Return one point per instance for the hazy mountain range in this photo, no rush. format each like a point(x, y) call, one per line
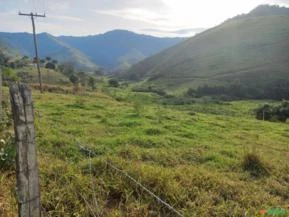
point(117, 49)
point(250, 49)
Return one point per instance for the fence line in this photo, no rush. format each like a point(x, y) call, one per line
point(93, 185)
point(109, 164)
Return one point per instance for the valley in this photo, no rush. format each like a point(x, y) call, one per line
point(131, 125)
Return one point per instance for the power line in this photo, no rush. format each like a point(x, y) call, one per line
point(32, 16)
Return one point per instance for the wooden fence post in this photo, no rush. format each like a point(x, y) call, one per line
point(26, 162)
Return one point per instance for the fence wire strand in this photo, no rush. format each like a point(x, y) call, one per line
point(124, 173)
point(93, 185)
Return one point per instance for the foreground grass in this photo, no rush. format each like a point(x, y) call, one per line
point(191, 156)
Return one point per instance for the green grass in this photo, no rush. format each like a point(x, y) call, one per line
point(191, 156)
point(48, 76)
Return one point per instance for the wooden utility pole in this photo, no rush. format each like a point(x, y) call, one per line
point(1, 97)
point(28, 192)
point(32, 15)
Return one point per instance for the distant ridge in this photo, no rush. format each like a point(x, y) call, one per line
point(114, 50)
point(119, 48)
point(269, 10)
point(48, 46)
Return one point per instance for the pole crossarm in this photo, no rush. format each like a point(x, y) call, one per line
point(32, 14)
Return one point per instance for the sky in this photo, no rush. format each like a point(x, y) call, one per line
point(164, 18)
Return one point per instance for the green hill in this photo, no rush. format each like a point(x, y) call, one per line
point(48, 46)
point(119, 49)
point(249, 50)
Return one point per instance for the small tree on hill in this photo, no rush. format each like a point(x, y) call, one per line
point(67, 68)
point(74, 80)
point(113, 82)
point(50, 65)
point(92, 82)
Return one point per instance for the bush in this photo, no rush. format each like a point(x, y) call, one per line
point(50, 65)
point(7, 154)
point(273, 113)
point(113, 82)
point(9, 75)
point(253, 164)
point(92, 82)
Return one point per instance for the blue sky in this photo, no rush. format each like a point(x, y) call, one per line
point(153, 17)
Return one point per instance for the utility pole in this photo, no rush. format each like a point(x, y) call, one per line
point(32, 15)
point(1, 97)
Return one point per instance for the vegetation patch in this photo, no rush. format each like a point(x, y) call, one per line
point(273, 112)
point(254, 165)
point(153, 132)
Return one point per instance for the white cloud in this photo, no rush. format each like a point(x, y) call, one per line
point(166, 17)
point(67, 18)
point(138, 14)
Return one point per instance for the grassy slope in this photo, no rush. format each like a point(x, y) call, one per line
point(48, 76)
point(252, 50)
point(48, 46)
point(193, 161)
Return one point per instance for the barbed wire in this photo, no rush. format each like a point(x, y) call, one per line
point(109, 164)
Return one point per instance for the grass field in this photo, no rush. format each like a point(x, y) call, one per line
point(191, 156)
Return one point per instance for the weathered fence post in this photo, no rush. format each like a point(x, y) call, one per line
point(26, 163)
point(1, 112)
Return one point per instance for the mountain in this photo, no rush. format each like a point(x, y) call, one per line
point(119, 48)
point(48, 45)
point(250, 50)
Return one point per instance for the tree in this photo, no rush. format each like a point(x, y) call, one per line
point(48, 58)
point(273, 113)
point(113, 82)
point(82, 78)
point(91, 82)
point(73, 79)
point(50, 65)
point(265, 112)
point(67, 68)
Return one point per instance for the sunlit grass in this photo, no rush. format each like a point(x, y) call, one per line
point(191, 156)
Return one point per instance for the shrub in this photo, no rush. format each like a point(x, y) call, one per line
point(9, 75)
point(273, 113)
point(50, 65)
point(253, 164)
point(92, 82)
point(7, 154)
point(113, 82)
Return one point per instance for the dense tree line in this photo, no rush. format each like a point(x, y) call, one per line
point(277, 90)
